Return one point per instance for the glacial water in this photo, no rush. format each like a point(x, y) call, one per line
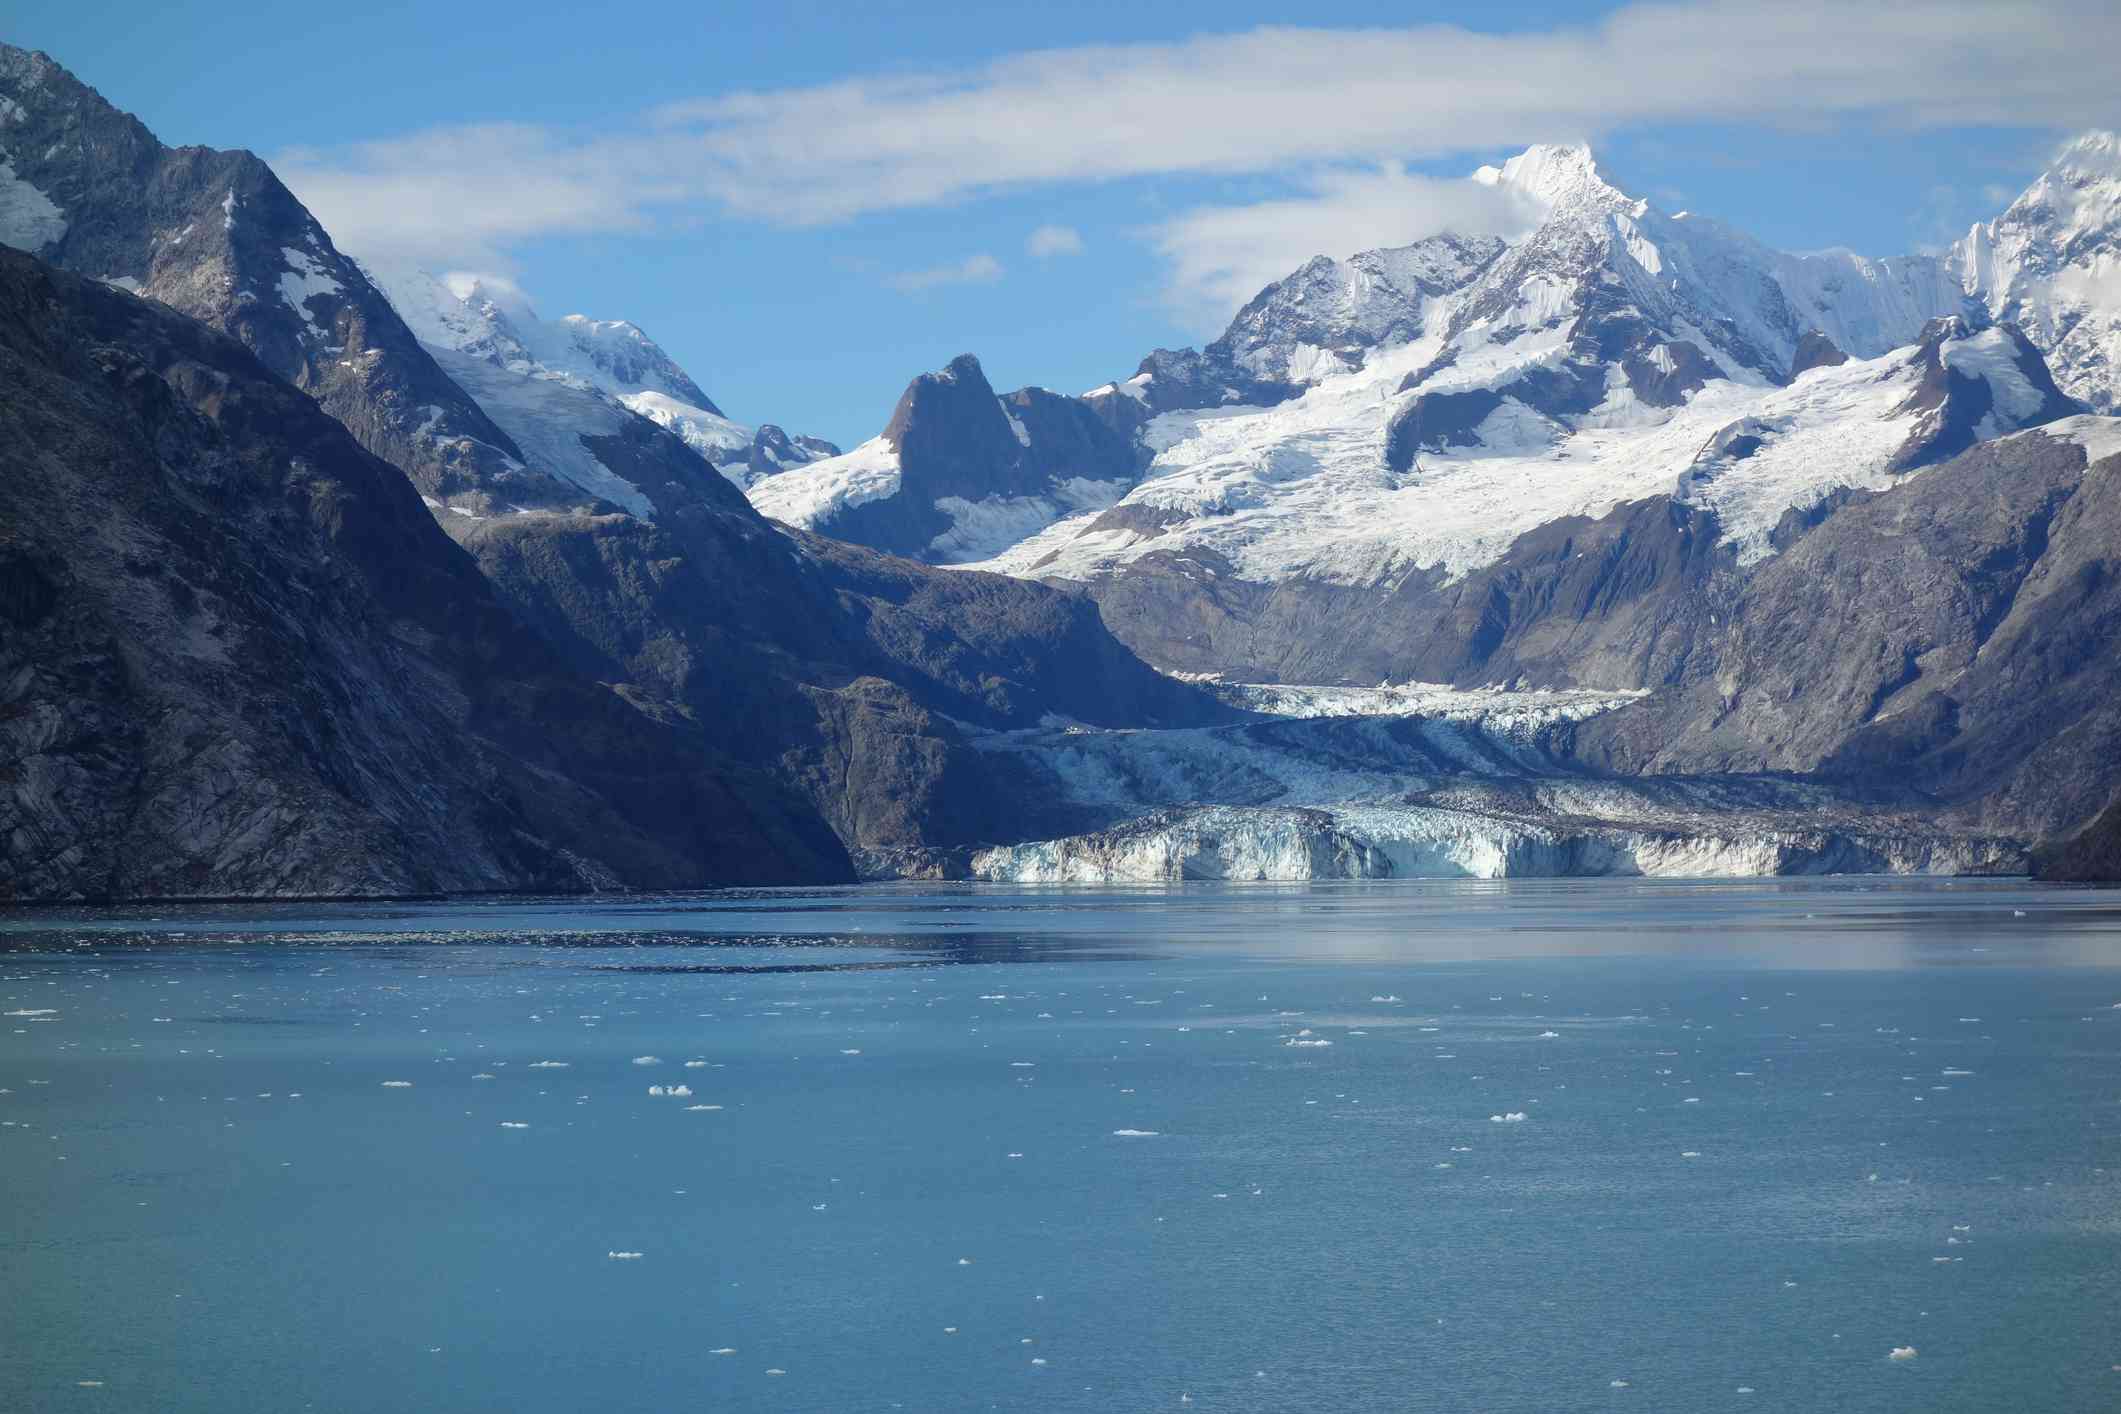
point(1631, 1145)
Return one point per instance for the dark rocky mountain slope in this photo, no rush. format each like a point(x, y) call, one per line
point(239, 657)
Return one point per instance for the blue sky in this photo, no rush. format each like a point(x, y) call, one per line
point(875, 175)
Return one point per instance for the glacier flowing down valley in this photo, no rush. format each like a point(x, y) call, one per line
point(1426, 782)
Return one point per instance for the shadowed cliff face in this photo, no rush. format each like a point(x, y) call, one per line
point(240, 658)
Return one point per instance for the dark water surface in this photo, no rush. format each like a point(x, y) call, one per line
point(1211, 1148)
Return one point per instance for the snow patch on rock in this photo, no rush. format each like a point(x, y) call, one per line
point(29, 220)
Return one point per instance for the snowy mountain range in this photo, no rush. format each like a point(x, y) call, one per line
point(1410, 414)
point(1720, 559)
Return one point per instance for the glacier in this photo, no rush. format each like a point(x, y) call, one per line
point(1425, 781)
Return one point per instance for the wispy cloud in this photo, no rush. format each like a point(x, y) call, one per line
point(977, 269)
point(1220, 256)
point(1273, 100)
point(1049, 241)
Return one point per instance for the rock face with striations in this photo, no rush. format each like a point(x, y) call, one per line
point(1954, 634)
point(239, 658)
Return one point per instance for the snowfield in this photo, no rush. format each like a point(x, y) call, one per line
point(809, 494)
point(1302, 490)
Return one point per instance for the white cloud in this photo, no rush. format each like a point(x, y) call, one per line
point(465, 195)
point(977, 269)
point(1270, 100)
point(1221, 256)
point(1049, 241)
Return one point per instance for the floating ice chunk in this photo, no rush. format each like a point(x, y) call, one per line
point(724, 1350)
point(1745, 1389)
point(1617, 1384)
point(1510, 1117)
point(776, 1371)
point(1949, 1071)
point(1689, 1153)
point(35, 1011)
point(964, 1261)
point(482, 1075)
point(1901, 1352)
point(397, 1085)
point(647, 1060)
point(1384, 999)
point(854, 1052)
point(1299, 1041)
point(511, 1124)
point(1135, 1133)
point(691, 1109)
point(624, 1256)
point(1549, 1036)
point(550, 1065)
point(695, 1065)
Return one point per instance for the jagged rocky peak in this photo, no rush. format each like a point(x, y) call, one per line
point(960, 473)
point(774, 450)
point(952, 415)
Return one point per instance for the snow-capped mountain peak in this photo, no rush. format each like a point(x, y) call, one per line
point(489, 321)
point(2052, 263)
point(1560, 177)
